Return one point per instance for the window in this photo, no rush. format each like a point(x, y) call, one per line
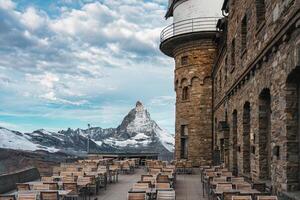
point(184, 60)
point(184, 130)
point(244, 33)
point(184, 142)
point(233, 52)
point(260, 12)
point(185, 93)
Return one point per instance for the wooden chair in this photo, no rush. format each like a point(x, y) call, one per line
point(166, 195)
point(146, 175)
point(225, 187)
point(243, 186)
point(267, 198)
point(162, 186)
point(140, 186)
point(41, 187)
point(162, 178)
point(7, 197)
point(226, 173)
point(189, 167)
point(221, 179)
point(27, 196)
point(49, 196)
point(237, 180)
point(23, 187)
point(68, 179)
point(47, 178)
point(52, 185)
point(229, 195)
point(74, 190)
point(136, 196)
point(248, 197)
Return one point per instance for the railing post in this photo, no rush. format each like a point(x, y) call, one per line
point(173, 26)
point(193, 25)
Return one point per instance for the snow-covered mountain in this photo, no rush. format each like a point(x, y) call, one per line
point(137, 133)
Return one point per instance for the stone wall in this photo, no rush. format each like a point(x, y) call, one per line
point(271, 57)
point(194, 62)
point(8, 181)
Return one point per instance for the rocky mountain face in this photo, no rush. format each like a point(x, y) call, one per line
point(137, 133)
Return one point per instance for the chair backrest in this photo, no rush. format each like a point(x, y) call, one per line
point(162, 178)
point(70, 186)
point(49, 196)
point(136, 196)
point(41, 187)
point(27, 196)
point(65, 174)
point(23, 186)
point(267, 198)
point(243, 186)
point(68, 179)
point(52, 186)
point(166, 195)
point(142, 186)
point(224, 187)
point(221, 179)
point(248, 197)
point(237, 179)
point(146, 175)
point(7, 197)
point(162, 185)
point(228, 195)
point(47, 178)
point(149, 179)
point(226, 173)
point(189, 164)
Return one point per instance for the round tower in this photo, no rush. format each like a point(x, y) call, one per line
point(190, 41)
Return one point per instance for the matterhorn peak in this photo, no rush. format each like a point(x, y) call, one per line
point(139, 107)
point(139, 104)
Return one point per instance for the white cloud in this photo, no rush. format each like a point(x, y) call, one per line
point(7, 4)
point(31, 19)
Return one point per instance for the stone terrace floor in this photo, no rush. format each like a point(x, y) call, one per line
point(188, 187)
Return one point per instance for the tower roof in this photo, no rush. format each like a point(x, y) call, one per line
point(170, 8)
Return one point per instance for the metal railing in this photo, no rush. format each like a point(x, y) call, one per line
point(189, 26)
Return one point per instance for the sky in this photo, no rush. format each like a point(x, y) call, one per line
point(67, 63)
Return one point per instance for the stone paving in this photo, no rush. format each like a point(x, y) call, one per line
point(188, 187)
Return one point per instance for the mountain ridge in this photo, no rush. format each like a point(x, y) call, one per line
point(136, 133)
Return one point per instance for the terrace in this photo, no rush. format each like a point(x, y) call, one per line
point(107, 179)
point(113, 179)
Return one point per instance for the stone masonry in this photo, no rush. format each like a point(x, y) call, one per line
point(256, 92)
point(238, 92)
point(195, 111)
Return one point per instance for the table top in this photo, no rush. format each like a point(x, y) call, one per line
point(251, 191)
point(60, 183)
point(60, 192)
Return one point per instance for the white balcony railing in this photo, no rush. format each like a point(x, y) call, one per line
point(200, 24)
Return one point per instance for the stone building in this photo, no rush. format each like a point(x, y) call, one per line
point(243, 107)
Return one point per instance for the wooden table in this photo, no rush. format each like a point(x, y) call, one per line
point(60, 192)
point(220, 192)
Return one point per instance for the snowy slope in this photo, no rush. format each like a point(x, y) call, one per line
point(19, 141)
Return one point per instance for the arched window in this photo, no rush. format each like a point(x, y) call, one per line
point(185, 93)
point(260, 12)
point(234, 143)
point(246, 139)
point(264, 136)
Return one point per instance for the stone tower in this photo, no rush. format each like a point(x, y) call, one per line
point(190, 41)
